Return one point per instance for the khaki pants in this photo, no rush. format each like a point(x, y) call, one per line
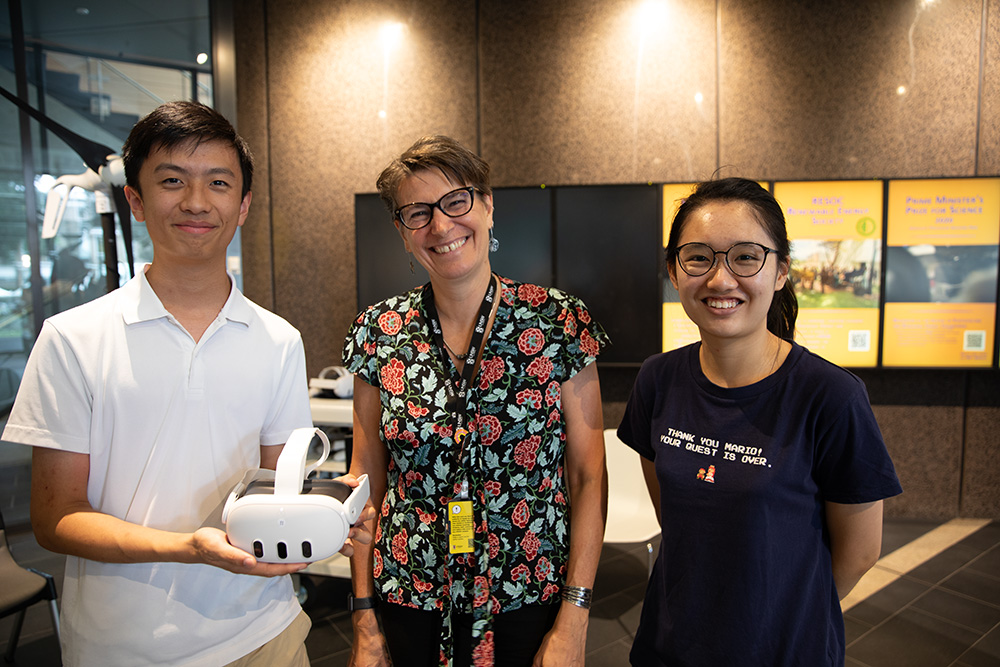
point(287, 649)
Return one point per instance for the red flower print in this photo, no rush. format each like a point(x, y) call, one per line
point(546, 484)
point(443, 430)
point(399, 547)
point(533, 294)
point(425, 517)
point(490, 370)
point(413, 476)
point(392, 376)
point(550, 590)
point(377, 559)
point(494, 543)
point(520, 572)
point(530, 544)
point(410, 314)
point(493, 487)
point(392, 430)
point(560, 499)
point(570, 326)
point(415, 410)
point(482, 655)
point(489, 429)
point(553, 417)
point(369, 348)
point(532, 397)
point(521, 514)
point(543, 569)
point(582, 315)
point(507, 293)
point(482, 591)
point(588, 344)
point(390, 322)
point(421, 586)
point(541, 368)
point(531, 341)
point(525, 452)
point(422, 347)
point(553, 393)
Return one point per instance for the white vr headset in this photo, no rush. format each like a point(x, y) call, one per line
point(281, 517)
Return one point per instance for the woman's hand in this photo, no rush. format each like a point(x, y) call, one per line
point(565, 644)
point(368, 648)
point(360, 533)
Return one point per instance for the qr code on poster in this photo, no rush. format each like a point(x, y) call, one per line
point(974, 341)
point(859, 340)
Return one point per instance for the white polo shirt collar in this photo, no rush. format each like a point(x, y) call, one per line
point(141, 304)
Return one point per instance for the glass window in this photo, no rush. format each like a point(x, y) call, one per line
point(95, 68)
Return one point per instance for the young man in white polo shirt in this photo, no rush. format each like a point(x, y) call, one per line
point(146, 406)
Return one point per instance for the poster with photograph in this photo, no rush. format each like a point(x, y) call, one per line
point(835, 228)
point(941, 272)
point(678, 329)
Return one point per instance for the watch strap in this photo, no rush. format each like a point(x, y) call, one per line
point(356, 604)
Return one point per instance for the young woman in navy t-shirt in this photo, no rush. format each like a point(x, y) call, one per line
point(763, 460)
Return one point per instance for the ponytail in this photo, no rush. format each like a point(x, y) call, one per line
point(783, 312)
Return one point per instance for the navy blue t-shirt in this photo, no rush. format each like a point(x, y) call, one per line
point(744, 575)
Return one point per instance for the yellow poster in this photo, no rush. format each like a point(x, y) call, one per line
point(941, 272)
point(678, 330)
point(948, 211)
point(835, 228)
point(939, 335)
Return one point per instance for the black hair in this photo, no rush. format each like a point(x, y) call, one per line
point(174, 123)
point(784, 306)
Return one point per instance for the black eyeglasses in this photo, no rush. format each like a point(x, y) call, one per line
point(743, 259)
point(454, 204)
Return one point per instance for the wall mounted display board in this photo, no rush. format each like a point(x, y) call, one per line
point(608, 253)
point(941, 272)
point(835, 228)
point(522, 222)
point(678, 329)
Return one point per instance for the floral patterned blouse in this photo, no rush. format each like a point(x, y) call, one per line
point(512, 457)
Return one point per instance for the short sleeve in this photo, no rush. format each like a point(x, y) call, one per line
point(636, 425)
point(852, 463)
point(53, 405)
point(359, 347)
point(585, 337)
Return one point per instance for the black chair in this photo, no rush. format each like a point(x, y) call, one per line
point(20, 588)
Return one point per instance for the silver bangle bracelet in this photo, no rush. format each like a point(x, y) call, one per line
point(577, 595)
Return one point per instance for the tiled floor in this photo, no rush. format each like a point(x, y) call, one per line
point(944, 612)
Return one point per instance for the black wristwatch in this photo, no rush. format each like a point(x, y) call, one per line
point(354, 604)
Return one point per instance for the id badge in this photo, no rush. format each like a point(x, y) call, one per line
point(462, 531)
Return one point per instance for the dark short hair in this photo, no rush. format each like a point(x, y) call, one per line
point(175, 123)
point(454, 160)
point(765, 208)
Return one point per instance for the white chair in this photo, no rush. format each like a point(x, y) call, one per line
point(631, 517)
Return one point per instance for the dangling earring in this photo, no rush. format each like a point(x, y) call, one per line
point(411, 264)
point(494, 244)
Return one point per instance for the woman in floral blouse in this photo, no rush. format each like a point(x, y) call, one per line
point(477, 416)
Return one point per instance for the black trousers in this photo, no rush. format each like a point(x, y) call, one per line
point(413, 635)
